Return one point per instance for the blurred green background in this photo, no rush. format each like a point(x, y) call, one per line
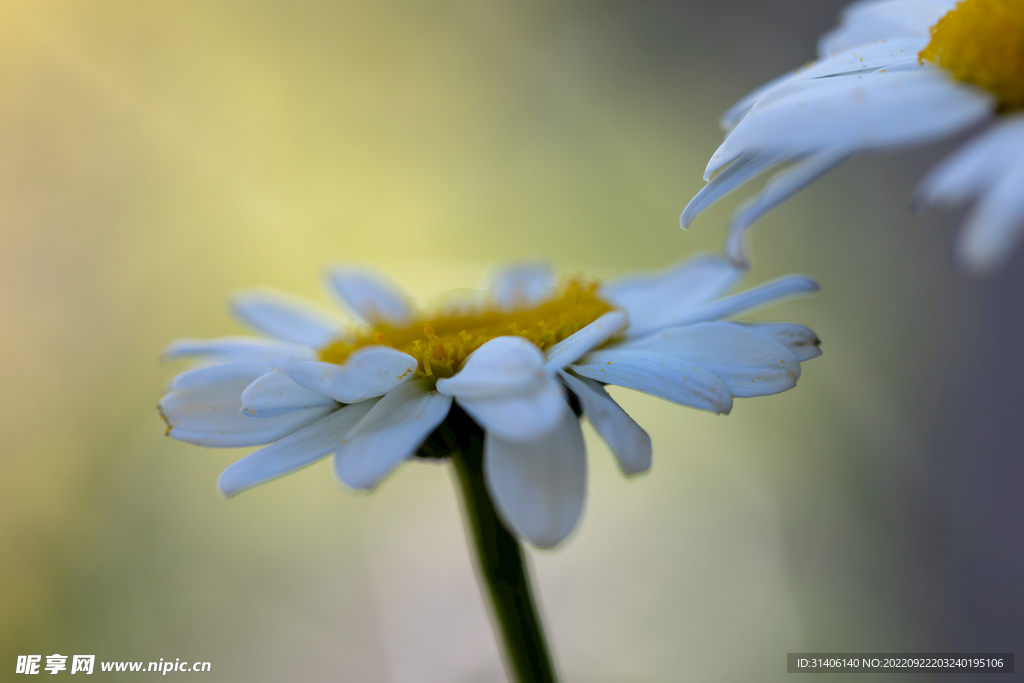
point(156, 156)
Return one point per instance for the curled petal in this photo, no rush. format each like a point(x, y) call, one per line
point(275, 393)
point(501, 367)
point(801, 341)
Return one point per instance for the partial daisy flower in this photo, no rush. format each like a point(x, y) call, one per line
point(515, 365)
point(895, 73)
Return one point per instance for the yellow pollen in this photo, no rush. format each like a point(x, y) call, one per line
point(441, 343)
point(982, 42)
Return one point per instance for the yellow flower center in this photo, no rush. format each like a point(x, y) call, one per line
point(982, 42)
point(441, 343)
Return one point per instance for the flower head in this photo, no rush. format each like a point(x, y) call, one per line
point(982, 42)
point(513, 367)
point(895, 73)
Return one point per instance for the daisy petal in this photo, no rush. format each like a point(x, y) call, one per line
point(199, 378)
point(368, 372)
point(857, 113)
point(871, 20)
point(293, 452)
point(285, 317)
point(203, 408)
point(236, 350)
point(275, 393)
point(994, 225)
point(780, 188)
point(770, 292)
point(626, 439)
point(697, 280)
point(503, 386)
point(520, 417)
point(659, 375)
point(749, 364)
point(650, 300)
point(976, 166)
point(747, 166)
point(575, 346)
point(390, 433)
point(733, 148)
point(539, 487)
point(501, 367)
point(865, 57)
point(801, 341)
point(522, 285)
point(370, 296)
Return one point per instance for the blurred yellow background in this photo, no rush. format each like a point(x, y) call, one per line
point(156, 156)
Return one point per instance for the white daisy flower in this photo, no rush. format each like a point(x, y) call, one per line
point(512, 367)
point(895, 73)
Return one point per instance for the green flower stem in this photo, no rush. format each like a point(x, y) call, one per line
point(502, 566)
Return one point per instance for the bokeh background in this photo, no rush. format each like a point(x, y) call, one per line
point(155, 156)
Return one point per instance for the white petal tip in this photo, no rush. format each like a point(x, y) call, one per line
point(551, 539)
point(709, 170)
point(687, 216)
point(354, 482)
point(690, 212)
point(226, 490)
point(797, 284)
point(713, 165)
point(637, 466)
point(809, 284)
point(177, 349)
point(719, 159)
